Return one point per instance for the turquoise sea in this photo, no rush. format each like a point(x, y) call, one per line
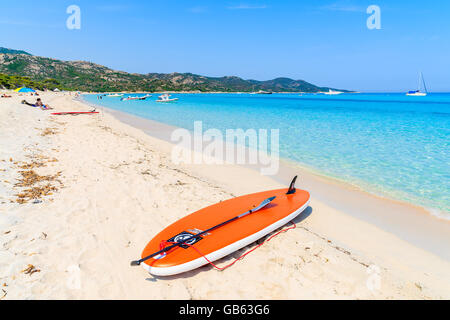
point(389, 144)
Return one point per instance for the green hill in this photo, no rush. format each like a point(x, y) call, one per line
point(87, 76)
point(12, 51)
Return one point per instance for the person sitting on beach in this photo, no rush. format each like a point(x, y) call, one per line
point(38, 104)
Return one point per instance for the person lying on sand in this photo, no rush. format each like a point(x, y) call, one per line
point(5, 96)
point(38, 104)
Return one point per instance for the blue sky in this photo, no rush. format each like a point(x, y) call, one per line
point(323, 42)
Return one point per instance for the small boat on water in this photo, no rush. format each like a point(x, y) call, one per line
point(136, 98)
point(263, 92)
point(116, 95)
point(166, 98)
point(332, 92)
point(419, 93)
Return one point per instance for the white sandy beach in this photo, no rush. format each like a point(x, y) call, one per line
point(111, 187)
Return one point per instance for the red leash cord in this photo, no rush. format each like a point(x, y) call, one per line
point(164, 243)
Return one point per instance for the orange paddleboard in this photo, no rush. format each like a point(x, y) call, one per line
point(226, 239)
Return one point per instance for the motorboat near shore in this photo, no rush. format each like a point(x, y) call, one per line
point(262, 92)
point(333, 92)
point(136, 98)
point(166, 98)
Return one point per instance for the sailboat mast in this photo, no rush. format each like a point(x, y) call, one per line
point(423, 82)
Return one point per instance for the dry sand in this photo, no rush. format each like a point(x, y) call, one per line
point(107, 188)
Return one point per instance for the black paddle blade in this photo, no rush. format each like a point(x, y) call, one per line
point(135, 263)
point(264, 203)
point(292, 186)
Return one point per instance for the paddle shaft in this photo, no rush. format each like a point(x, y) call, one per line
point(138, 262)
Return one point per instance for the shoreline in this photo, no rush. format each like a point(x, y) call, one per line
point(212, 92)
point(118, 190)
point(434, 213)
point(337, 193)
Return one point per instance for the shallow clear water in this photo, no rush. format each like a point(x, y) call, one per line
point(389, 144)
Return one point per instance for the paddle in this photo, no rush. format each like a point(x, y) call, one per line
point(262, 205)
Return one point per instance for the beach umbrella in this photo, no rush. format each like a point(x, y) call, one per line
point(24, 89)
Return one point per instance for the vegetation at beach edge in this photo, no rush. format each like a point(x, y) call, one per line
point(14, 82)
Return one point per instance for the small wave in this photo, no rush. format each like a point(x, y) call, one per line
point(439, 213)
point(441, 113)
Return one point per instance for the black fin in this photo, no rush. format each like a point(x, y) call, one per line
point(292, 186)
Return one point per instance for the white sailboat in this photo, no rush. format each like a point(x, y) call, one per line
point(419, 93)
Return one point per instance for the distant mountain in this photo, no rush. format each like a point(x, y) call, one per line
point(87, 76)
point(286, 84)
point(12, 51)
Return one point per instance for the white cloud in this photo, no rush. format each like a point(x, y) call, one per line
point(113, 8)
point(247, 7)
point(15, 22)
point(198, 9)
point(343, 6)
point(22, 23)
